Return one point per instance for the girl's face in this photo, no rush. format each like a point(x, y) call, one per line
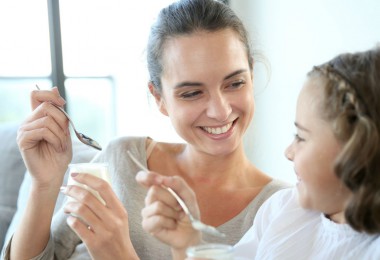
point(207, 90)
point(313, 153)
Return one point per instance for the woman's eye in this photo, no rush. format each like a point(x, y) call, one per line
point(190, 94)
point(237, 84)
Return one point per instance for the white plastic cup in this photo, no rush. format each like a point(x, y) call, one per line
point(99, 170)
point(210, 251)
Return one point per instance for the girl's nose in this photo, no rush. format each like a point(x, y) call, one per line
point(219, 108)
point(289, 154)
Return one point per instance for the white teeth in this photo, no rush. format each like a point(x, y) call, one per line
point(217, 130)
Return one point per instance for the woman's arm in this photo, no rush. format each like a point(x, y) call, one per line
point(45, 145)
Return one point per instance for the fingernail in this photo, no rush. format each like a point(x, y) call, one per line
point(61, 100)
point(159, 179)
point(74, 174)
point(178, 208)
point(182, 215)
point(63, 189)
point(142, 173)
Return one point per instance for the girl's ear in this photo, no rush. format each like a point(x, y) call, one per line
point(159, 100)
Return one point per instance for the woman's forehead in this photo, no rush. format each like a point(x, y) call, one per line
point(204, 52)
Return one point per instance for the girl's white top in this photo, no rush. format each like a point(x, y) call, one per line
point(284, 230)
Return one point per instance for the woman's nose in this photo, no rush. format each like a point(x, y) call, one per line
point(219, 108)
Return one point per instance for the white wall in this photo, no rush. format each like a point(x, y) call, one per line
point(294, 35)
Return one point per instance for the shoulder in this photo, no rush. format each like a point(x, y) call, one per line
point(373, 250)
point(281, 201)
point(116, 150)
point(268, 190)
point(283, 197)
point(275, 186)
point(126, 142)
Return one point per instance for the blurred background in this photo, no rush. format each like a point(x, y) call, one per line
point(94, 51)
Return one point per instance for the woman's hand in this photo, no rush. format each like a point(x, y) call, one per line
point(163, 217)
point(44, 139)
point(103, 228)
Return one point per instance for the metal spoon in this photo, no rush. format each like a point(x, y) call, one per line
point(83, 138)
point(196, 223)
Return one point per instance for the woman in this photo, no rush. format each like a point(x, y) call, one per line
point(201, 76)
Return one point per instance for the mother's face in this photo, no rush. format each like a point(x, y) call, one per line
point(207, 89)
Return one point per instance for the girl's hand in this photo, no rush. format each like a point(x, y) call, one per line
point(103, 228)
point(44, 139)
point(163, 217)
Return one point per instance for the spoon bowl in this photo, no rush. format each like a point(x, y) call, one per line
point(83, 138)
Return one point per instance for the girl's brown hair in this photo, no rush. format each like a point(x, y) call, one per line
point(352, 104)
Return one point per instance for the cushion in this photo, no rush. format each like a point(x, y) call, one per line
point(11, 175)
point(81, 153)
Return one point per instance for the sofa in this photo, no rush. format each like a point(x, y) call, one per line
point(15, 181)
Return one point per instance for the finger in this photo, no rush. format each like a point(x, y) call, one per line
point(161, 209)
point(54, 119)
point(148, 179)
point(156, 223)
point(57, 119)
point(47, 109)
point(83, 231)
point(44, 120)
point(184, 191)
point(87, 199)
point(87, 207)
point(103, 188)
point(39, 96)
point(29, 136)
point(81, 211)
point(159, 193)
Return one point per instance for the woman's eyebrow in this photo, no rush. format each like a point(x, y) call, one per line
point(188, 84)
point(234, 73)
point(192, 84)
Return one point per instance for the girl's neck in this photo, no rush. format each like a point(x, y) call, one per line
point(337, 217)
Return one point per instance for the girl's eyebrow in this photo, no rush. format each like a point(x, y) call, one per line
point(300, 127)
point(194, 83)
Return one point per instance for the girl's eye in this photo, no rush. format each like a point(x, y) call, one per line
point(190, 94)
point(298, 139)
point(237, 84)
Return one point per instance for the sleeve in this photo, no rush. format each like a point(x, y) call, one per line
point(247, 247)
point(48, 252)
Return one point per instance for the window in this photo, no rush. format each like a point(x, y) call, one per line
point(103, 67)
point(24, 55)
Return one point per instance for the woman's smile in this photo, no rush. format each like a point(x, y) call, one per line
point(219, 132)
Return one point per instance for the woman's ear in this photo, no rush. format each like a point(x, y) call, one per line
point(253, 65)
point(159, 100)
